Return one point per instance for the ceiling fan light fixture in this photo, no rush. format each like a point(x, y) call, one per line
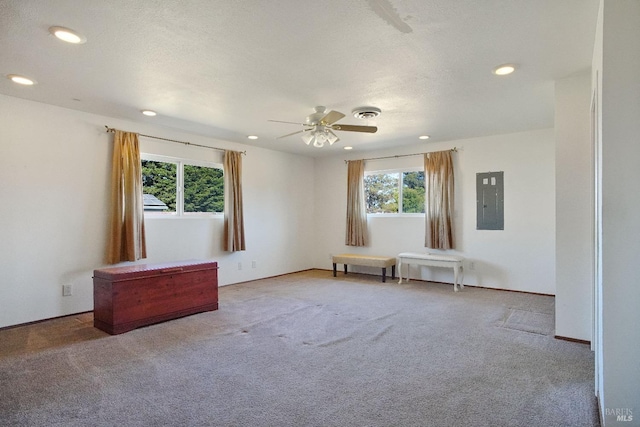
point(331, 137)
point(308, 137)
point(320, 125)
point(319, 139)
point(319, 136)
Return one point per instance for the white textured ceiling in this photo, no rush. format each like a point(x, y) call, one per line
point(223, 68)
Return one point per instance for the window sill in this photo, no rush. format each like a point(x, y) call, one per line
point(188, 216)
point(396, 215)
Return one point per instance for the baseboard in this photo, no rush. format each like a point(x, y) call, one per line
point(510, 290)
point(268, 277)
point(35, 322)
point(560, 337)
point(599, 406)
point(448, 283)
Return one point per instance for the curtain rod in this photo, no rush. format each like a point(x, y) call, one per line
point(454, 149)
point(111, 130)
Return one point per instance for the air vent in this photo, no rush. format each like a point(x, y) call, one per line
point(366, 112)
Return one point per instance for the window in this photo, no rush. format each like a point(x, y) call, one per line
point(394, 192)
point(181, 187)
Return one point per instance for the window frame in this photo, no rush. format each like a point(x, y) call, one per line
point(399, 171)
point(180, 163)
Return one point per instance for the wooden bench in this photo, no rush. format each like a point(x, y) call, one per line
point(432, 260)
point(366, 261)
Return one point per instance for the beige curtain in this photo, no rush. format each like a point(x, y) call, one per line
point(438, 178)
point(233, 210)
point(127, 238)
point(356, 234)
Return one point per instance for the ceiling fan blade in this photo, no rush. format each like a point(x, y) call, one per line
point(293, 133)
point(291, 123)
point(331, 117)
point(355, 128)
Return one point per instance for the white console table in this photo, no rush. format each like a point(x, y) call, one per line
point(432, 260)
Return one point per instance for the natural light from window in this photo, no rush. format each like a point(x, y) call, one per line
point(394, 192)
point(180, 187)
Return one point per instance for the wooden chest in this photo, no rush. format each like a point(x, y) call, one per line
point(125, 298)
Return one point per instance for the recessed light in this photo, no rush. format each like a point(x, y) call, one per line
point(424, 137)
point(252, 137)
point(348, 148)
point(149, 113)
point(503, 70)
point(21, 80)
point(67, 35)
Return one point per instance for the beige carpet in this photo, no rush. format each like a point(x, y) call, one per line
point(307, 349)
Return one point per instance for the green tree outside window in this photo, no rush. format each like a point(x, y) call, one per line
point(384, 191)
point(203, 186)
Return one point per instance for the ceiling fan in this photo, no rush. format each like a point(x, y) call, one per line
point(320, 125)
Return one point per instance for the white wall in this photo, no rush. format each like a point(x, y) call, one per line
point(617, 72)
point(521, 257)
point(54, 170)
point(574, 207)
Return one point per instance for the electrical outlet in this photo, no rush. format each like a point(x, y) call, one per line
point(472, 265)
point(331, 256)
point(67, 290)
point(253, 264)
point(239, 266)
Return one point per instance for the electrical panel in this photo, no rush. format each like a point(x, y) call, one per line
point(490, 200)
